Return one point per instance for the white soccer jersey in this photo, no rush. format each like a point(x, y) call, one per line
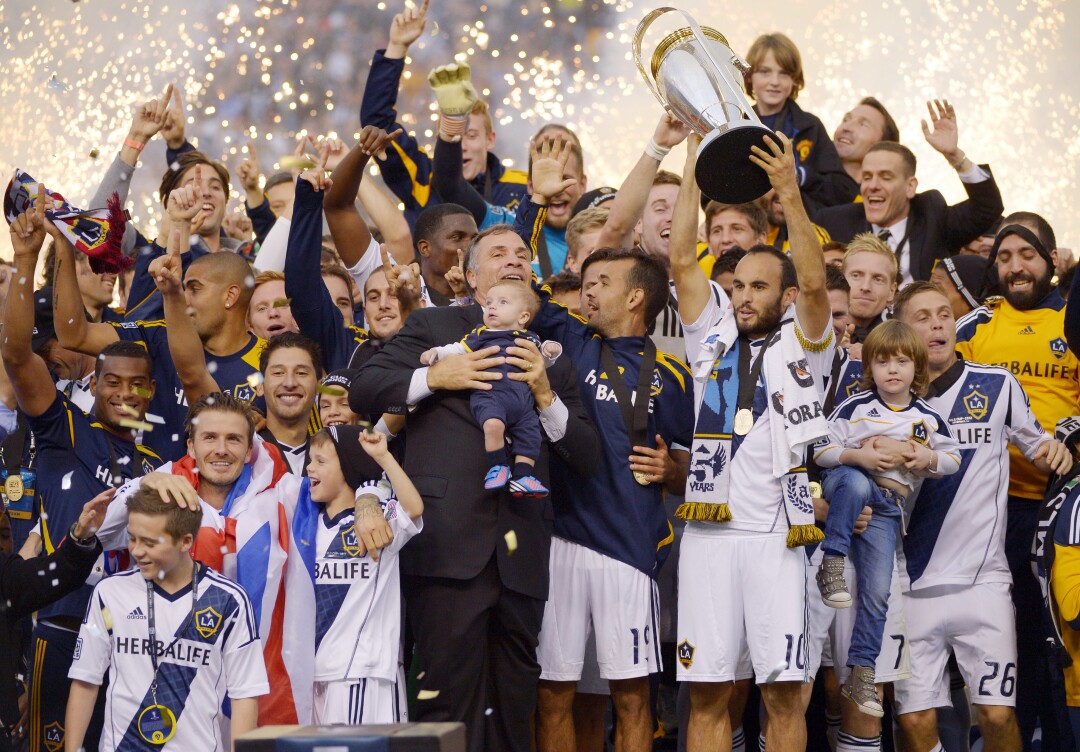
point(358, 600)
point(204, 650)
point(956, 531)
point(756, 497)
point(866, 415)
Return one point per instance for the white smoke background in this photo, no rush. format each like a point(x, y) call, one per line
point(71, 72)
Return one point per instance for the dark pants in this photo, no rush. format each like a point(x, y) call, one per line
point(1040, 691)
point(477, 645)
point(50, 659)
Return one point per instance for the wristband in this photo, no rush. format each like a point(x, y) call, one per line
point(134, 144)
point(83, 542)
point(657, 152)
point(452, 127)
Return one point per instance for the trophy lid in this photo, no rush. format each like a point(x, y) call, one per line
point(678, 36)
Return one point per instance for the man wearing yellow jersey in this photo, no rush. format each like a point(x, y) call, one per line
point(1025, 332)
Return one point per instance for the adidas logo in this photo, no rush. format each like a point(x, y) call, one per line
point(137, 613)
point(873, 413)
point(1027, 330)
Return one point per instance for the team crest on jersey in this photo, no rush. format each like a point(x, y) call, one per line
point(243, 392)
point(657, 385)
point(349, 542)
point(147, 468)
point(800, 371)
point(77, 652)
point(919, 432)
point(207, 622)
point(853, 388)
point(977, 404)
point(1059, 348)
point(803, 148)
point(686, 653)
point(54, 737)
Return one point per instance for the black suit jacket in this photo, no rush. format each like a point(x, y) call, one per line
point(25, 587)
point(935, 229)
point(445, 458)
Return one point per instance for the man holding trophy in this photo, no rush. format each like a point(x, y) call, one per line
point(758, 361)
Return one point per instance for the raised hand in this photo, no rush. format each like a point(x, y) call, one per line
point(175, 121)
point(374, 141)
point(150, 117)
point(186, 201)
point(374, 444)
point(455, 277)
point(548, 163)
point(670, 131)
point(945, 135)
point(453, 88)
point(93, 513)
point(778, 163)
point(237, 226)
point(318, 177)
point(405, 29)
point(248, 172)
point(28, 230)
point(335, 151)
point(167, 271)
point(402, 279)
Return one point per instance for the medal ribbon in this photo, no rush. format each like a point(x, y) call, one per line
point(635, 415)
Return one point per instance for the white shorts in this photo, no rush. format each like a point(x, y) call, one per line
point(894, 660)
point(359, 701)
point(590, 591)
point(742, 607)
point(976, 624)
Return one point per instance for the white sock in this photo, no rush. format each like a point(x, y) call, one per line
point(738, 740)
point(832, 728)
point(846, 742)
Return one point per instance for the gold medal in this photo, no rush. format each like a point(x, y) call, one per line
point(156, 724)
point(13, 487)
point(744, 421)
point(642, 477)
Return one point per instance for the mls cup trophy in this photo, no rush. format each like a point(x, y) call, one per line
point(698, 79)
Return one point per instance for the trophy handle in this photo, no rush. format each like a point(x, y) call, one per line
point(639, 34)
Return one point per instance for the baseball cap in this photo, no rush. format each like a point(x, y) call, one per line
point(1067, 428)
point(594, 198)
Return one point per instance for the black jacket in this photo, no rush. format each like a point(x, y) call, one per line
point(445, 458)
point(25, 587)
point(935, 229)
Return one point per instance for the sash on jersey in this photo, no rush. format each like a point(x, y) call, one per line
point(798, 423)
point(99, 233)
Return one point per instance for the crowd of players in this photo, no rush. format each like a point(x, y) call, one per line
point(262, 490)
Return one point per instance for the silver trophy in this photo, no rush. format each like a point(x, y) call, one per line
point(697, 78)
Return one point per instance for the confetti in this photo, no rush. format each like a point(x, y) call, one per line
point(211, 367)
point(511, 541)
point(106, 616)
point(65, 482)
point(296, 163)
point(138, 390)
point(129, 410)
point(254, 379)
point(427, 694)
point(778, 669)
point(283, 303)
point(94, 154)
point(333, 391)
point(136, 425)
point(56, 83)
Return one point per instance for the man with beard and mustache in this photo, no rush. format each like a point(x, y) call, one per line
point(1025, 333)
point(740, 553)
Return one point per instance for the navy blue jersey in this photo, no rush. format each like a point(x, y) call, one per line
point(76, 457)
point(481, 337)
point(168, 409)
point(609, 512)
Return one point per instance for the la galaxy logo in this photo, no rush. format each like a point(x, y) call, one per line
point(686, 653)
point(977, 404)
point(54, 737)
point(919, 432)
point(657, 385)
point(1058, 348)
point(349, 542)
point(243, 392)
point(207, 622)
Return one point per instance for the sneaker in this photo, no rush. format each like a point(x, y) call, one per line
point(496, 477)
point(830, 581)
point(527, 486)
point(860, 689)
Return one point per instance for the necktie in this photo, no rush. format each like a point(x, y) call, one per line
point(885, 235)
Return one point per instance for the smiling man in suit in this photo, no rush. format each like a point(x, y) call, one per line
point(918, 227)
point(475, 582)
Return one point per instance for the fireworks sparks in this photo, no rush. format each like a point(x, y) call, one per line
point(271, 69)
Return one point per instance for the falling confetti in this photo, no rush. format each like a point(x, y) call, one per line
point(138, 390)
point(427, 694)
point(106, 616)
point(511, 541)
point(65, 482)
point(254, 379)
point(136, 425)
point(332, 391)
point(55, 83)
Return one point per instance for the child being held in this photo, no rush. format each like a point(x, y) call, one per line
point(174, 636)
point(358, 596)
point(858, 474)
point(508, 407)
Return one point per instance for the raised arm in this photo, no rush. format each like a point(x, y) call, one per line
point(812, 303)
point(73, 331)
point(350, 232)
point(30, 379)
point(388, 218)
point(456, 96)
point(691, 284)
point(629, 202)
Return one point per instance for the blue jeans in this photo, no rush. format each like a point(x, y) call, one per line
point(848, 490)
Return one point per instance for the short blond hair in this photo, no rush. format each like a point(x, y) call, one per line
point(868, 242)
point(481, 108)
point(269, 276)
point(587, 220)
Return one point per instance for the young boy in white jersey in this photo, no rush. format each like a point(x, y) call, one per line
point(858, 475)
point(358, 599)
point(175, 637)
